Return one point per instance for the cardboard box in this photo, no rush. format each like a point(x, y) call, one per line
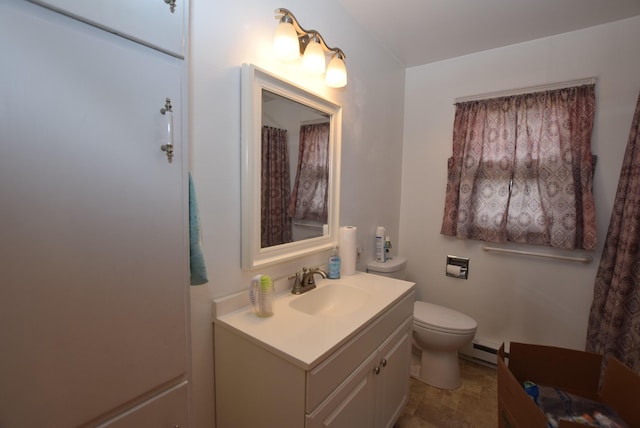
point(575, 372)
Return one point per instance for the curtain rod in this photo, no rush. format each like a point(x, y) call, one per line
point(586, 260)
point(315, 121)
point(526, 90)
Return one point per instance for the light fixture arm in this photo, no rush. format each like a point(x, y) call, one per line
point(305, 35)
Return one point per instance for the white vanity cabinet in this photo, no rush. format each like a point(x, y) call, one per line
point(363, 382)
point(93, 226)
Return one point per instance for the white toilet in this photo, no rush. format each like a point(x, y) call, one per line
point(438, 332)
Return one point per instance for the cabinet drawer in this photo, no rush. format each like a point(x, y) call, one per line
point(324, 378)
point(150, 22)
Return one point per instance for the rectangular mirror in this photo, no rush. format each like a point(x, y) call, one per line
point(290, 170)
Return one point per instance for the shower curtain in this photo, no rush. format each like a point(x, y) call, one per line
point(275, 222)
point(614, 320)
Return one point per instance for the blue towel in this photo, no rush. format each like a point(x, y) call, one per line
point(197, 266)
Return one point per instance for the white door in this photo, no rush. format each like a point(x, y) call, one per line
point(156, 23)
point(92, 220)
point(168, 409)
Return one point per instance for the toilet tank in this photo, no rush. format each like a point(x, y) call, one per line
point(393, 268)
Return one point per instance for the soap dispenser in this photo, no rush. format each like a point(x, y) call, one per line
point(334, 264)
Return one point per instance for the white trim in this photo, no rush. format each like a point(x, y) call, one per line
point(254, 81)
point(526, 90)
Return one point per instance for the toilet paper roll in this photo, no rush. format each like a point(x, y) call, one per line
point(347, 249)
point(454, 270)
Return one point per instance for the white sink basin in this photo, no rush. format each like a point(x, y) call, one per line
point(335, 299)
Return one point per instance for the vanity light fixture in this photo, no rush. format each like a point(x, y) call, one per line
point(313, 60)
point(291, 40)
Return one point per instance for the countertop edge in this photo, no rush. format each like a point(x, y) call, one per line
point(224, 309)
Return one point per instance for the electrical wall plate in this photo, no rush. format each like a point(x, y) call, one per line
point(457, 267)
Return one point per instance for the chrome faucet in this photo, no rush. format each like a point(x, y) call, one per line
point(307, 282)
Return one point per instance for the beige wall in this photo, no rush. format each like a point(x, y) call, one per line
point(225, 34)
point(513, 297)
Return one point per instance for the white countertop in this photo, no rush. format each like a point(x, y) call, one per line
point(306, 339)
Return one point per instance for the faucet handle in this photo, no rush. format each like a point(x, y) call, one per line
point(295, 276)
point(296, 282)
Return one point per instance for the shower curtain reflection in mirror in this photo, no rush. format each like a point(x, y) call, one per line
point(275, 179)
point(299, 214)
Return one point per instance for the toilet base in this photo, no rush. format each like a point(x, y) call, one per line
point(440, 369)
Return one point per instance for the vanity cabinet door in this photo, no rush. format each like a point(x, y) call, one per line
point(375, 393)
point(351, 404)
point(151, 22)
point(392, 382)
point(93, 240)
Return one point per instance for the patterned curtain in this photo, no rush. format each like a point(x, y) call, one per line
point(522, 170)
point(614, 321)
point(309, 196)
point(275, 222)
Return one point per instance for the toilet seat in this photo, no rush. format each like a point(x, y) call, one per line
point(438, 318)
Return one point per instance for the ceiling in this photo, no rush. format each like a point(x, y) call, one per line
point(424, 31)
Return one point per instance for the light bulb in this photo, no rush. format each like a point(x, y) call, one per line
point(313, 60)
point(285, 43)
point(336, 76)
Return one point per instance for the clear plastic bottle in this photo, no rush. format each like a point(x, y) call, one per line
point(261, 294)
point(334, 264)
point(381, 254)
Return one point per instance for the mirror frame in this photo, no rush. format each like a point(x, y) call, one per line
point(254, 81)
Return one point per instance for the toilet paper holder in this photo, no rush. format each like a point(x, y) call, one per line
point(457, 267)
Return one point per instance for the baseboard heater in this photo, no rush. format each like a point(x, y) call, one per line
point(482, 351)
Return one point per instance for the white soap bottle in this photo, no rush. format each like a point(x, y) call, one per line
point(381, 253)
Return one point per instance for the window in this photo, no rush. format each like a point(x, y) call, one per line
point(522, 170)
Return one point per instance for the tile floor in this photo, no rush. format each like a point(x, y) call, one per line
point(473, 405)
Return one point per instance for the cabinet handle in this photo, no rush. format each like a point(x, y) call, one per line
point(167, 110)
point(383, 362)
point(172, 8)
point(377, 370)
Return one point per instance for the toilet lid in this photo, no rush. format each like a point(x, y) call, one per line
point(440, 318)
